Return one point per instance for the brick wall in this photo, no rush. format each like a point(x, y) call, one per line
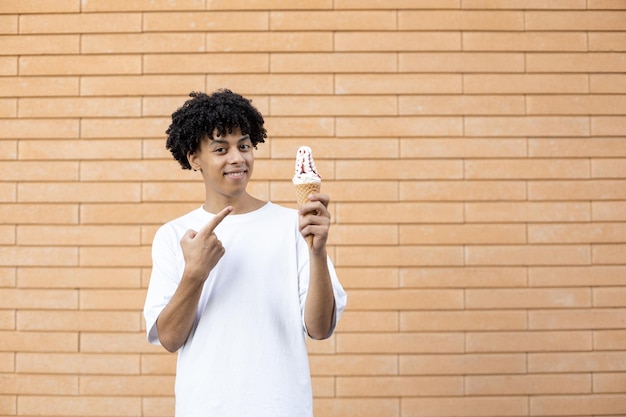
point(475, 152)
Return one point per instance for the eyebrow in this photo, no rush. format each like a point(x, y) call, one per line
point(221, 141)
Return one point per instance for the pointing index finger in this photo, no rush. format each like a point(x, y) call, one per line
point(212, 224)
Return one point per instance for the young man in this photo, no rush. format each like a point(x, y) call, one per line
point(234, 287)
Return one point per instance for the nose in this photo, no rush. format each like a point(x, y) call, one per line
point(234, 156)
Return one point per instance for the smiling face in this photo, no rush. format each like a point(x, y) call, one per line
point(226, 163)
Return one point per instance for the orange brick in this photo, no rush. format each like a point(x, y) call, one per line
point(78, 192)
point(79, 65)
point(138, 170)
point(406, 299)
point(179, 191)
point(577, 190)
point(575, 319)
point(46, 384)
point(7, 362)
point(80, 405)
point(607, 41)
point(39, 44)
point(112, 299)
point(608, 382)
point(351, 407)
point(158, 364)
point(527, 126)
point(528, 298)
point(214, 63)
point(323, 386)
point(531, 384)
point(8, 404)
point(501, 406)
point(368, 321)
point(36, 6)
point(608, 297)
point(350, 364)
point(72, 149)
point(8, 108)
point(203, 21)
point(463, 277)
point(125, 256)
point(39, 213)
point(41, 320)
point(269, 41)
point(460, 20)
point(527, 169)
point(576, 362)
point(526, 84)
point(33, 298)
point(577, 276)
point(579, 104)
point(525, 41)
point(269, 5)
point(7, 235)
point(576, 20)
point(302, 126)
point(322, 62)
point(388, 343)
point(8, 65)
point(142, 43)
point(77, 235)
point(399, 126)
point(575, 63)
point(81, 23)
point(333, 20)
point(609, 254)
point(38, 171)
point(80, 107)
point(584, 147)
point(527, 212)
point(608, 125)
point(78, 278)
point(524, 4)
point(560, 341)
point(8, 193)
point(343, 191)
point(91, 342)
point(396, 4)
point(577, 233)
point(462, 62)
point(466, 190)
point(78, 363)
point(587, 404)
point(607, 83)
point(8, 24)
point(126, 386)
point(363, 235)
point(147, 213)
point(608, 210)
point(38, 256)
point(349, 213)
point(7, 277)
point(333, 106)
point(255, 84)
point(38, 341)
point(400, 256)
point(407, 169)
point(466, 104)
point(496, 320)
point(528, 255)
point(461, 234)
point(397, 41)
point(141, 85)
point(38, 128)
point(368, 277)
point(139, 5)
point(399, 84)
point(462, 148)
point(399, 386)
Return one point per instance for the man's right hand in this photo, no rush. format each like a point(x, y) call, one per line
point(202, 250)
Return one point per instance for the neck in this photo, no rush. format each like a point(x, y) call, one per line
point(244, 203)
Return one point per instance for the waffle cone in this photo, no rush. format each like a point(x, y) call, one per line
point(302, 196)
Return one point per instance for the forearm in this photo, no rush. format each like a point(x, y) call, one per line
point(176, 320)
point(319, 312)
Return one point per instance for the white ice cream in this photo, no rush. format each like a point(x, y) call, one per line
point(305, 172)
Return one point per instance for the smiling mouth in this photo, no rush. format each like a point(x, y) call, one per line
point(236, 175)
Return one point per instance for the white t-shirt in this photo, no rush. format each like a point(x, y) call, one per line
point(246, 354)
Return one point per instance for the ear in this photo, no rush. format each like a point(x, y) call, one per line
point(193, 161)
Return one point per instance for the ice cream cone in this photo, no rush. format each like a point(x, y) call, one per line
point(303, 191)
point(306, 179)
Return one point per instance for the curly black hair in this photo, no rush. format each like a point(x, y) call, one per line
point(202, 115)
